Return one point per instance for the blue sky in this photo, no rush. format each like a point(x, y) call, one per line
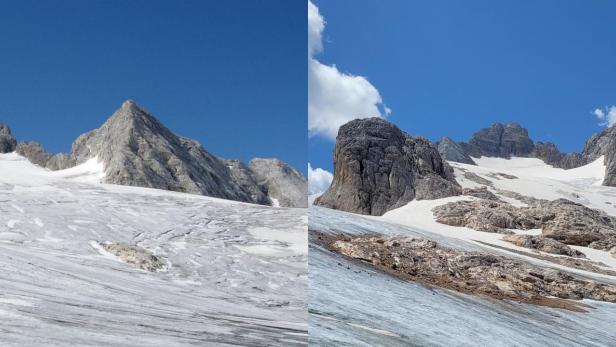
point(452, 67)
point(231, 74)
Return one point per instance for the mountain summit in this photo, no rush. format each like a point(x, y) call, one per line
point(138, 150)
point(512, 140)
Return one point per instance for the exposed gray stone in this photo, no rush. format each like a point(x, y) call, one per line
point(543, 244)
point(134, 256)
point(549, 153)
point(280, 181)
point(610, 159)
point(378, 167)
point(500, 140)
point(7, 141)
point(244, 177)
point(452, 151)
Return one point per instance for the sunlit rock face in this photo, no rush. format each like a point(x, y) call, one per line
point(378, 167)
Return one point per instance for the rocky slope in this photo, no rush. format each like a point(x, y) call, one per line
point(282, 183)
point(453, 151)
point(137, 150)
point(507, 140)
point(562, 220)
point(378, 167)
point(482, 273)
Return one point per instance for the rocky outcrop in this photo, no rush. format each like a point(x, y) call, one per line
point(483, 215)
point(475, 273)
point(378, 167)
point(453, 151)
point(134, 256)
point(562, 220)
point(543, 244)
point(550, 154)
point(36, 154)
point(281, 182)
point(7, 141)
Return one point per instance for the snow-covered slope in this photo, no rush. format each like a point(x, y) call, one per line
point(353, 304)
point(235, 273)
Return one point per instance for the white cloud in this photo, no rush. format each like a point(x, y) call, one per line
point(335, 97)
point(607, 115)
point(318, 180)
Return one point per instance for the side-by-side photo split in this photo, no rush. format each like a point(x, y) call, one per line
point(435, 173)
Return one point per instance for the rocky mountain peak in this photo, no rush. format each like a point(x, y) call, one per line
point(500, 140)
point(136, 149)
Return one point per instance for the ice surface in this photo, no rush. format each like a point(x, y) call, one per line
point(57, 289)
point(352, 304)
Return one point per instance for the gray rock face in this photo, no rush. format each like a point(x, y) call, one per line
point(280, 181)
point(549, 153)
point(598, 144)
point(500, 141)
point(7, 141)
point(453, 151)
point(36, 154)
point(378, 167)
point(606, 145)
point(245, 178)
point(137, 150)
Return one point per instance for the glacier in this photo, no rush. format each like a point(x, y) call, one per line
point(235, 274)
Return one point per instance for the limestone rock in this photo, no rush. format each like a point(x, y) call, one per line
point(562, 220)
point(378, 167)
point(135, 256)
point(281, 182)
